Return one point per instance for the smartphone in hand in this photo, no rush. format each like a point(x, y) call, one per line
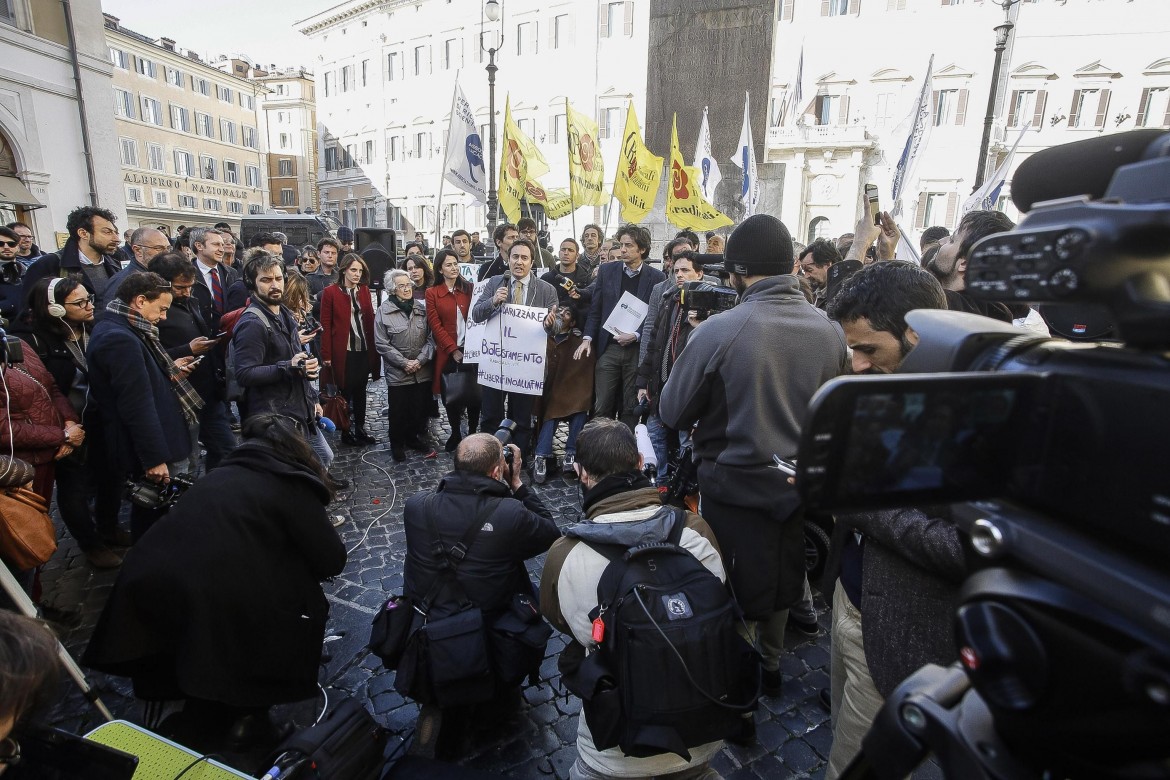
point(871, 203)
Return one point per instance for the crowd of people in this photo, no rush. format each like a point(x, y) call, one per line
point(152, 358)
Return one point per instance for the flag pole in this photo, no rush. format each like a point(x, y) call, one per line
point(442, 172)
point(569, 154)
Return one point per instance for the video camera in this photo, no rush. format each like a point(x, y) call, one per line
point(1048, 449)
point(156, 495)
point(705, 299)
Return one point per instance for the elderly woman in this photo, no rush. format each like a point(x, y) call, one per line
point(404, 341)
point(448, 302)
point(221, 605)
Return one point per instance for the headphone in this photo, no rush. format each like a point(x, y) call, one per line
point(55, 309)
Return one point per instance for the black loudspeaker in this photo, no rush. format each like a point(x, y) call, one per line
point(379, 248)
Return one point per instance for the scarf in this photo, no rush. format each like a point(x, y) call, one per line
point(189, 400)
point(403, 306)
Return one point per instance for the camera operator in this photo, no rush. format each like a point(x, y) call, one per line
point(661, 347)
point(276, 374)
point(483, 489)
point(147, 405)
point(898, 569)
point(748, 393)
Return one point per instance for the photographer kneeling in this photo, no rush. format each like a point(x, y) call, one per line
point(466, 544)
point(221, 603)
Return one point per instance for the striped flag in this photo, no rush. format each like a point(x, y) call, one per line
point(917, 126)
point(745, 158)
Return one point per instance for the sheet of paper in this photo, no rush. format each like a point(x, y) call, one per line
point(627, 316)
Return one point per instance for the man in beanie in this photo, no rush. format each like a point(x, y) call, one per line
point(745, 380)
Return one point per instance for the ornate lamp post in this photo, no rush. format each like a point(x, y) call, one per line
point(493, 11)
point(1001, 37)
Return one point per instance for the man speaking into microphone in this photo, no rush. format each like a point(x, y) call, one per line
point(520, 287)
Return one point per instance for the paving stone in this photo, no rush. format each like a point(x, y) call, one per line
point(771, 735)
point(798, 756)
point(820, 739)
point(768, 767)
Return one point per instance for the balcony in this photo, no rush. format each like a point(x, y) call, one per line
point(818, 136)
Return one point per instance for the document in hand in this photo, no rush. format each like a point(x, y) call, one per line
point(627, 316)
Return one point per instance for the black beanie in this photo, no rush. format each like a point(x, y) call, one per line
point(759, 246)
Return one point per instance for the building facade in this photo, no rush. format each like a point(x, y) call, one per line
point(54, 134)
point(290, 110)
point(191, 138)
point(385, 74)
point(1071, 69)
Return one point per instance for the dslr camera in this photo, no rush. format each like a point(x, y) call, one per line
point(1047, 452)
point(156, 495)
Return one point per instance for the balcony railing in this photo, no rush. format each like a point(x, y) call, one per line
point(816, 135)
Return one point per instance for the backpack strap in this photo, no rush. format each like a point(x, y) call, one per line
point(449, 559)
point(620, 557)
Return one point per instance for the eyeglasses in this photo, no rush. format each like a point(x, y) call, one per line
point(162, 248)
point(84, 303)
point(9, 752)
point(9, 243)
point(404, 287)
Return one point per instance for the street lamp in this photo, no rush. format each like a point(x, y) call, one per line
point(1001, 37)
point(493, 11)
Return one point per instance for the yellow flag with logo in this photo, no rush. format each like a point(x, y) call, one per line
point(586, 170)
point(639, 173)
point(685, 205)
point(556, 203)
point(519, 160)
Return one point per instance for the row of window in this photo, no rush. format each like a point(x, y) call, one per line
point(616, 19)
point(184, 164)
point(150, 110)
point(161, 199)
point(1088, 109)
point(853, 7)
point(176, 78)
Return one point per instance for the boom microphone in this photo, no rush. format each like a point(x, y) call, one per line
point(1083, 167)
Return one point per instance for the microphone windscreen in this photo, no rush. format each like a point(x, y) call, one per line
point(1080, 168)
point(645, 446)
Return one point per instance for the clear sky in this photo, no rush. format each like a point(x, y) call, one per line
point(261, 29)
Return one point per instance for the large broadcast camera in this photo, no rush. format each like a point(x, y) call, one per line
point(1049, 451)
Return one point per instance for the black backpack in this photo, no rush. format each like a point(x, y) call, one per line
point(668, 670)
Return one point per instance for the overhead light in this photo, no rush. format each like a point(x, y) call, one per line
point(492, 10)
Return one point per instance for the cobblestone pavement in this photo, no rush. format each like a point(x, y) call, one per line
point(793, 730)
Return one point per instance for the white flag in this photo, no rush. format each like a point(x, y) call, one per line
point(792, 102)
point(916, 127)
point(705, 162)
point(464, 165)
point(986, 196)
point(745, 158)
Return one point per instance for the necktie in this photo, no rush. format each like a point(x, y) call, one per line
point(216, 291)
point(518, 293)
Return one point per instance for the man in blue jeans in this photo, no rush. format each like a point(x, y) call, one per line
point(568, 391)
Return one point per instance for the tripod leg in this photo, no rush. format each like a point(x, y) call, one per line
point(26, 606)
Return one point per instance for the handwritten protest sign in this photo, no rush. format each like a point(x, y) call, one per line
point(511, 350)
point(468, 272)
point(475, 330)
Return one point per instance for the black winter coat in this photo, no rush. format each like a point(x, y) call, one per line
point(263, 358)
point(67, 262)
point(222, 599)
point(144, 424)
point(183, 324)
point(519, 527)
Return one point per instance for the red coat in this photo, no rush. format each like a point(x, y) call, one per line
point(441, 304)
point(335, 339)
point(39, 411)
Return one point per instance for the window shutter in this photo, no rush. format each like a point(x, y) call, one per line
point(552, 34)
point(1143, 108)
point(1076, 104)
point(1038, 114)
point(854, 6)
point(843, 114)
point(1013, 107)
point(603, 21)
point(603, 125)
point(961, 111)
point(946, 2)
point(786, 10)
point(920, 217)
point(934, 107)
point(1166, 117)
point(1103, 107)
point(952, 207)
point(628, 21)
point(824, 7)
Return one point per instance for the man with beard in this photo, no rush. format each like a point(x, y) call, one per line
point(815, 260)
point(900, 568)
point(276, 374)
point(749, 401)
point(185, 332)
point(461, 245)
point(88, 255)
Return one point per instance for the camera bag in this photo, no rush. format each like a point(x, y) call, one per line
point(347, 745)
point(446, 661)
point(669, 671)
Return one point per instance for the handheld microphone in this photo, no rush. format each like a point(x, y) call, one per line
point(646, 450)
point(326, 424)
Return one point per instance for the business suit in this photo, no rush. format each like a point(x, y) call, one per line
point(537, 293)
point(617, 365)
point(202, 293)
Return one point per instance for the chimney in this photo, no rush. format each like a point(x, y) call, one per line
point(167, 44)
point(111, 21)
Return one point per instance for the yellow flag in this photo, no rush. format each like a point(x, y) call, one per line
point(685, 205)
point(586, 170)
point(556, 203)
point(519, 159)
point(639, 173)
